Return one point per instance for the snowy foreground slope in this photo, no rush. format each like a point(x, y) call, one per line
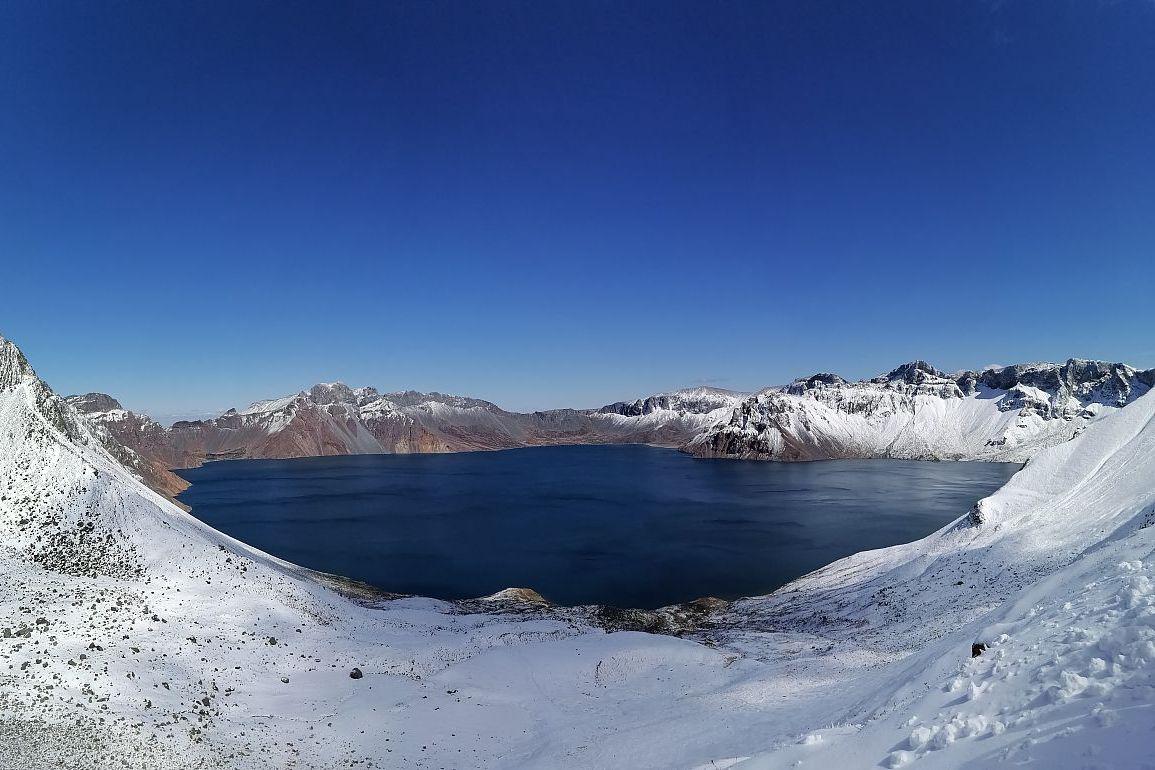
point(132, 635)
point(1054, 572)
point(917, 412)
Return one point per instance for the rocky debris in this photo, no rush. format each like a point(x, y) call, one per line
point(356, 590)
point(522, 595)
point(676, 620)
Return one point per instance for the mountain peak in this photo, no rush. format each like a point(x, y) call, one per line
point(14, 367)
point(94, 403)
point(332, 392)
point(822, 379)
point(915, 372)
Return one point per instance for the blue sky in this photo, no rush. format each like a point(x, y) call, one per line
point(550, 204)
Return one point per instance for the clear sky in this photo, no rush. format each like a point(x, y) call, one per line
point(550, 204)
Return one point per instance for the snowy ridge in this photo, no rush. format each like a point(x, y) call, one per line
point(918, 412)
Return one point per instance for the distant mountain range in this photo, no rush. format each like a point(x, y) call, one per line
point(915, 411)
point(334, 419)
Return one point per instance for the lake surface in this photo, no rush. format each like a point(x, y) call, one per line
point(631, 526)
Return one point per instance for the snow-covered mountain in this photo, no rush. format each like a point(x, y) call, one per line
point(1052, 577)
point(334, 419)
point(918, 412)
point(137, 637)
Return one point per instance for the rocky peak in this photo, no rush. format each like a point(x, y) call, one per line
point(15, 371)
point(14, 367)
point(365, 395)
point(914, 373)
point(332, 393)
point(93, 403)
point(1111, 383)
point(637, 408)
point(821, 380)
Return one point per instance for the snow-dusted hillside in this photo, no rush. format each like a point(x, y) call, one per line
point(918, 412)
point(334, 419)
point(662, 418)
point(1055, 573)
point(135, 636)
point(141, 438)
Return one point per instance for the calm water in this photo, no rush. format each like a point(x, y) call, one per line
point(630, 526)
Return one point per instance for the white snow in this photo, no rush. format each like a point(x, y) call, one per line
point(131, 635)
point(931, 419)
point(269, 405)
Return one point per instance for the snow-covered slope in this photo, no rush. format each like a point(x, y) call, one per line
point(135, 636)
point(663, 418)
point(1055, 573)
point(918, 412)
point(334, 419)
point(142, 442)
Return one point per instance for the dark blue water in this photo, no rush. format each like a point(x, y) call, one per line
point(630, 526)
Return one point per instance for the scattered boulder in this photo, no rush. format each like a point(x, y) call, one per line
point(977, 649)
point(521, 595)
point(355, 674)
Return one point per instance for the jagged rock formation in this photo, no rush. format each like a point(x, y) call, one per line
point(334, 419)
point(918, 412)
